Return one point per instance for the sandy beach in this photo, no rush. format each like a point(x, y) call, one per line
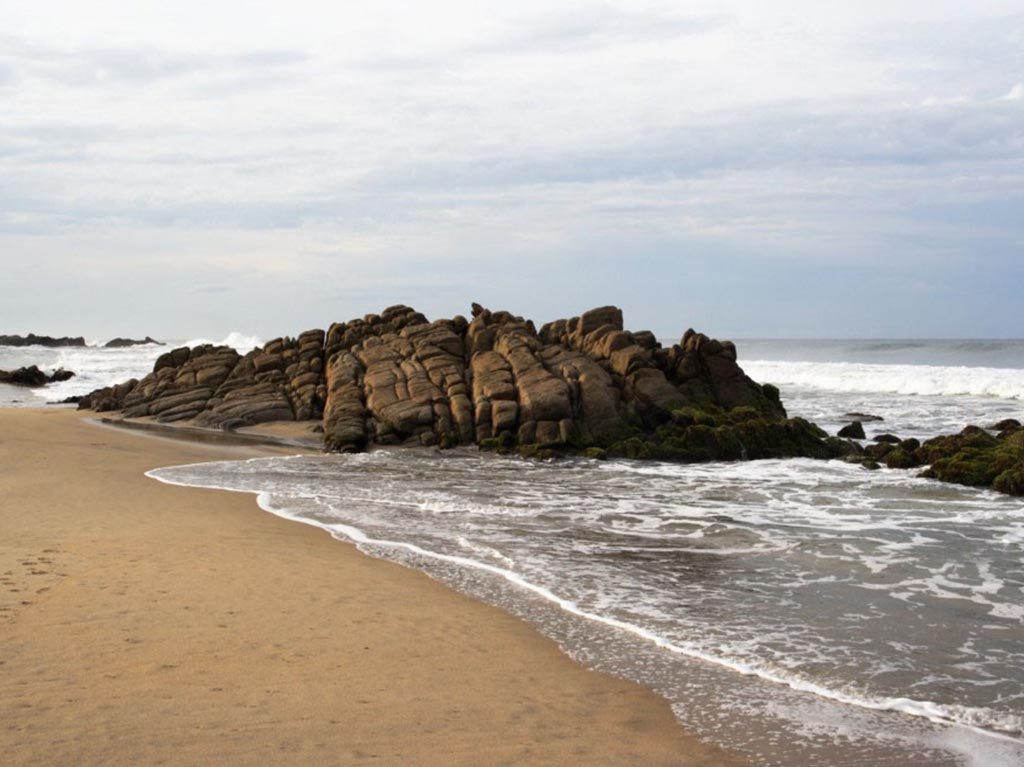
point(142, 623)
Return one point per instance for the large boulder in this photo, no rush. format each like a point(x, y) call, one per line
point(976, 458)
point(853, 430)
point(121, 343)
point(584, 383)
point(33, 377)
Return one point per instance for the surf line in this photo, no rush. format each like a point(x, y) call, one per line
point(929, 710)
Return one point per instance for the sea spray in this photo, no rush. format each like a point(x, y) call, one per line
point(95, 366)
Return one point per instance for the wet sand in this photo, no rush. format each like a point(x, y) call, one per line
point(142, 623)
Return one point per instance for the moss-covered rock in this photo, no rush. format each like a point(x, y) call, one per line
point(696, 436)
point(842, 448)
point(634, 447)
point(771, 393)
point(878, 451)
point(898, 458)
point(744, 414)
point(537, 452)
point(505, 441)
point(853, 430)
point(1010, 481)
point(691, 416)
point(977, 459)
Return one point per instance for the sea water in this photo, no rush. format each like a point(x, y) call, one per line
point(798, 611)
point(94, 366)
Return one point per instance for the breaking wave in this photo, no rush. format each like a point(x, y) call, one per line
point(864, 378)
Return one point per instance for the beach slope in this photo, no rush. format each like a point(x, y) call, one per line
point(142, 623)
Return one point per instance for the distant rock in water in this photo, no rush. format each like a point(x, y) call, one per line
point(120, 343)
point(33, 377)
point(863, 417)
point(854, 430)
point(33, 340)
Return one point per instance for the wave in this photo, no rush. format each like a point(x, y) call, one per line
point(237, 341)
point(925, 380)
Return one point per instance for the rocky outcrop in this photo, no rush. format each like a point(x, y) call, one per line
point(182, 383)
point(120, 343)
point(975, 457)
point(579, 384)
point(33, 340)
point(33, 377)
point(853, 430)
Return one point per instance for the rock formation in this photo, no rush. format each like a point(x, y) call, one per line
point(495, 380)
point(120, 343)
point(33, 377)
point(974, 457)
point(583, 385)
point(853, 430)
point(33, 340)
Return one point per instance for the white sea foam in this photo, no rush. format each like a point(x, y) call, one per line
point(95, 366)
point(237, 341)
point(864, 378)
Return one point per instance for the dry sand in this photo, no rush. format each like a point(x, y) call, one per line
point(142, 623)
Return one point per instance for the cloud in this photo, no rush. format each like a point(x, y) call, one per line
point(450, 143)
point(734, 173)
point(595, 27)
point(1016, 93)
point(130, 65)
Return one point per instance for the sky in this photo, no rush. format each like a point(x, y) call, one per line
point(750, 169)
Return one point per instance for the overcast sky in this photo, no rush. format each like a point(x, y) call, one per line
point(748, 168)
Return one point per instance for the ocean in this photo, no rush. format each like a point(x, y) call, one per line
point(94, 366)
point(797, 611)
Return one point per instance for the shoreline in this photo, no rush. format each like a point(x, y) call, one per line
point(154, 622)
point(285, 435)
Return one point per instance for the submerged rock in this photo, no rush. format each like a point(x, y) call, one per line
point(120, 343)
point(854, 430)
point(33, 377)
point(33, 340)
point(863, 417)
